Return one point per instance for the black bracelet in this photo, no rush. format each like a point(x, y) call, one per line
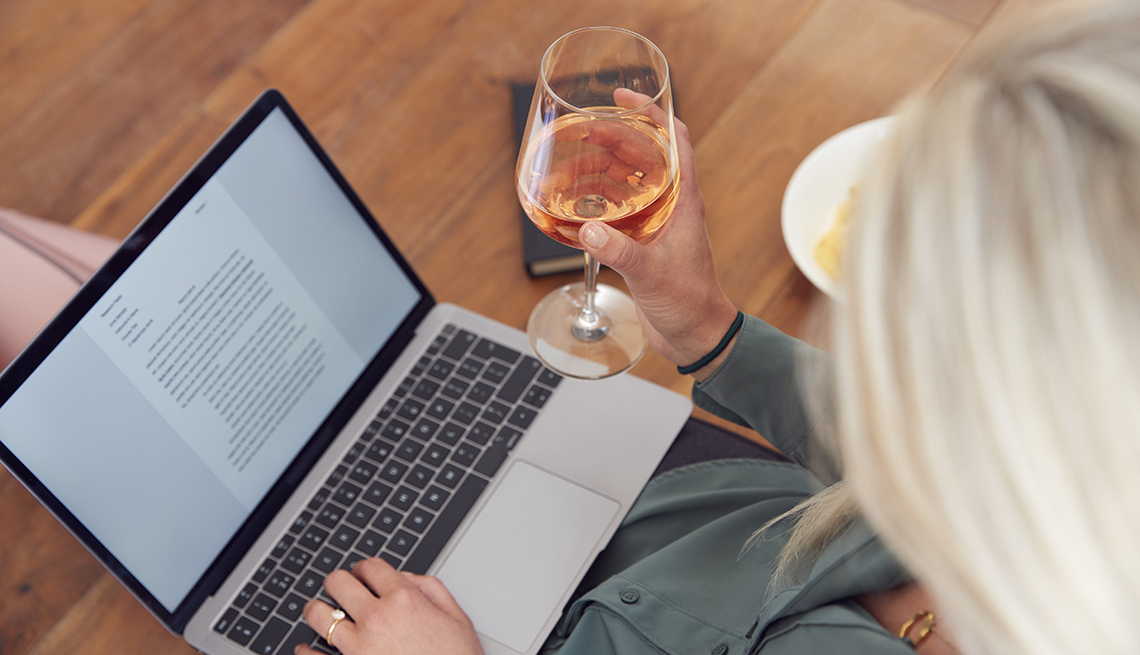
point(704, 361)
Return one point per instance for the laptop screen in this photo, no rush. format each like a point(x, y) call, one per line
point(166, 414)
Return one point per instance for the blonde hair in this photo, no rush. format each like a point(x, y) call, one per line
point(988, 364)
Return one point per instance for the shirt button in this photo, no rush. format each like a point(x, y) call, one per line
point(629, 596)
point(720, 650)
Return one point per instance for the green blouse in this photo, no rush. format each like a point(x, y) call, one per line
point(674, 579)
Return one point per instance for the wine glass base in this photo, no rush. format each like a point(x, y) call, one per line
point(550, 331)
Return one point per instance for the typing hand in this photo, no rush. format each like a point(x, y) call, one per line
point(391, 613)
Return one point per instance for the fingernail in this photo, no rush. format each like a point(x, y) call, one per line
point(593, 235)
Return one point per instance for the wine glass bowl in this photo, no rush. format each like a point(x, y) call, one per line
point(599, 145)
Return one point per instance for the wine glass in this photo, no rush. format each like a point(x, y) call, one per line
point(599, 145)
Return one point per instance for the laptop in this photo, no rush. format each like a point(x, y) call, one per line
point(256, 389)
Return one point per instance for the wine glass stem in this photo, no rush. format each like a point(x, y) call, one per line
point(590, 324)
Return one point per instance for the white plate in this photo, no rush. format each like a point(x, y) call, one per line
point(820, 183)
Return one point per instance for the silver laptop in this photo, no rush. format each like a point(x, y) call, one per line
point(256, 390)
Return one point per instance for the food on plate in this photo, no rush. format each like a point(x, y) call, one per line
point(829, 250)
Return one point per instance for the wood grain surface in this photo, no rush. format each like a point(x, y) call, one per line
point(103, 106)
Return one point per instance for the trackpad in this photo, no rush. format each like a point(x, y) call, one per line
point(522, 553)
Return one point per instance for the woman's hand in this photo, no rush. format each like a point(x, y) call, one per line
point(391, 613)
point(680, 303)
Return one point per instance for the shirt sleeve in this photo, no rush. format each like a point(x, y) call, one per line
point(759, 385)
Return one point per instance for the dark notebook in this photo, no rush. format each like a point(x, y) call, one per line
point(543, 255)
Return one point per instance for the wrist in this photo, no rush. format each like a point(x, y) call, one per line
point(710, 344)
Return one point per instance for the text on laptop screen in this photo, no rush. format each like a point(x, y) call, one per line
point(209, 364)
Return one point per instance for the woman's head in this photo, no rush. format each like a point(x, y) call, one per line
point(989, 357)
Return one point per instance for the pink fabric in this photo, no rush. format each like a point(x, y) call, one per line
point(33, 286)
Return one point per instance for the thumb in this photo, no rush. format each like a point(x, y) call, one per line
point(611, 247)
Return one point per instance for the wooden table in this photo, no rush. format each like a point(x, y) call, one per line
point(411, 98)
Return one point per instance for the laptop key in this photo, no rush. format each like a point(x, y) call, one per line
point(410, 409)
point(309, 583)
point(388, 409)
point(301, 634)
point(331, 515)
point(404, 387)
point(404, 498)
point(402, 542)
point(487, 349)
point(372, 430)
point(470, 368)
point(481, 433)
point(496, 412)
point(270, 636)
point(459, 345)
point(314, 538)
point(465, 413)
point(278, 583)
point(264, 570)
point(387, 520)
point(451, 433)
point(418, 519)
point(514, 386)
point(370, 543)
point(350, 560)
point(409, 450)
point(327, 560)
point(243, 630)
point(420, 476)
point(345, 537)
point(536, 396)
point(421, 365)
point(395, 429)
point(435, 455)
point(347, 494)
point(292, 607)
point(379, 451)
point(440, 369)
point(391, 559)
point(425, 389)
point(282, 547)
point(549, 378)
point(450, 476)
point(226, 621)
point(363, 472)
point(491, 460)
point(261, 607)
point(522, 417)
point(377, 493)
point(480, 393)
point(496, 372)
point(455, 388)
point(319, 498)
point(434, 498)
point(465, 454)
point(425, 429)
point(297, 560)
point(445, 524)
point(361, 515)
point(440, 409)
point(246, 594)
point(354, 453)
point(300, 522)
point(337, 476)
point(393, 472)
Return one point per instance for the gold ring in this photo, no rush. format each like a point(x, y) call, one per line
point(338, 615)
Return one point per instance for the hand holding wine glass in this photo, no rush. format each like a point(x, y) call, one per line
point(599, 147)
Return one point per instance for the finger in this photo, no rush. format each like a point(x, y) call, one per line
point(611, 247)
point(349, 592)
point(319, 615)
point(438, 595)
point(379, 576)
point(630, 99)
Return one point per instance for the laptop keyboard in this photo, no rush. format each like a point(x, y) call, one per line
point(403, 488)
